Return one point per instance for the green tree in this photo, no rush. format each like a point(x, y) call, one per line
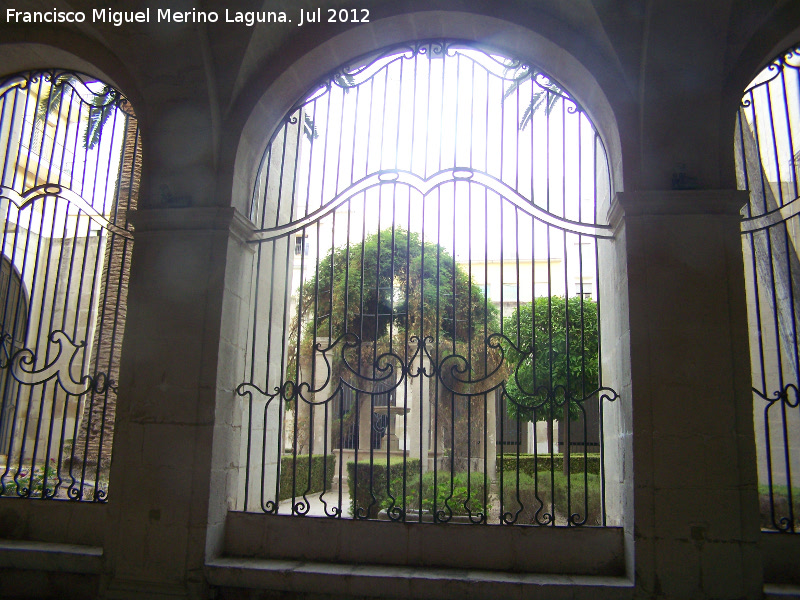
point(393, 290)
point(390, 287)
point(553, 357)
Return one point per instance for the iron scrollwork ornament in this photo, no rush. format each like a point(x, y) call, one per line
point(61, 368)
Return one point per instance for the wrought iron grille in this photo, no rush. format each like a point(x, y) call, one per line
point(424, 326)
point(767, 149)
point(70, 170)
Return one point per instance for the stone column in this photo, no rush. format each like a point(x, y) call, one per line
point(682, 431)
point(173, 408)
point(323, 413)
point(491, 435)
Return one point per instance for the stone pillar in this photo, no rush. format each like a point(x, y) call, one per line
point(491, 435)
point(419, 423)
point(683, 427)
point(364, 423)
point(258, 419)
point(169, 496)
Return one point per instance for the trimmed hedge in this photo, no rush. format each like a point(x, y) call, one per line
point(450, 498)
point(529, 463)
point(301, 475)
point(526, 505)
point(361, 497)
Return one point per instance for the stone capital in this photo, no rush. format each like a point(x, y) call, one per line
point(677, 202)
point(206, 218)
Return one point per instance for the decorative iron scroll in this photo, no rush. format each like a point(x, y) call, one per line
point(782, 499)
point(102, 98)
point(392, 369)
point(42, 192)
point(365, 68)
point(425, 187)
point(61, 367)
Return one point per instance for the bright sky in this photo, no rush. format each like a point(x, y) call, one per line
point(425, 115)
point(91, 174)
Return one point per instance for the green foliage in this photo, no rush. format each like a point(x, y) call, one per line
point(393, 283)
point(537, 495)
point(370, 494)
point(452, 497)
point(103, 105)
point(529, 463)
point(554, 354)
point(322, 471)
point(392, 278)
point(43, 479)
point(309, 127)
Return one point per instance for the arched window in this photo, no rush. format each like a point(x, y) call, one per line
point(767, 147)
point(424, 341)
point(70, 160)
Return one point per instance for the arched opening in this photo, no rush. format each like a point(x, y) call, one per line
point(71, 160)
point(767, 152)
point(423, 342)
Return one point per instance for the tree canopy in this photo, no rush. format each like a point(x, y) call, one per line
point(392, 286)
point(554, 356)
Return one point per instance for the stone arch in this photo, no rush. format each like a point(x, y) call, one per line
point(593, 87)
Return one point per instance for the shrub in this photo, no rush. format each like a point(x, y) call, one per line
point(448, 498)
point(524, 508)
point(367, 498)
point(41, 484)
point(529, 463)
point(320, 465)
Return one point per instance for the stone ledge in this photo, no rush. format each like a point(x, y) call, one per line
point(554, 550)
point(781, 591)
point(353, 581)
point(47, 556)
point(780, 555)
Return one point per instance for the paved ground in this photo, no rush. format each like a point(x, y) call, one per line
point(317, 505)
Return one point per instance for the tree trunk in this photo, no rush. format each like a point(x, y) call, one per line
point(96, 431)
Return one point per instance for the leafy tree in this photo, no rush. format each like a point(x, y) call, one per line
point(390, 287)
point(102, 105)
point(553, 358)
